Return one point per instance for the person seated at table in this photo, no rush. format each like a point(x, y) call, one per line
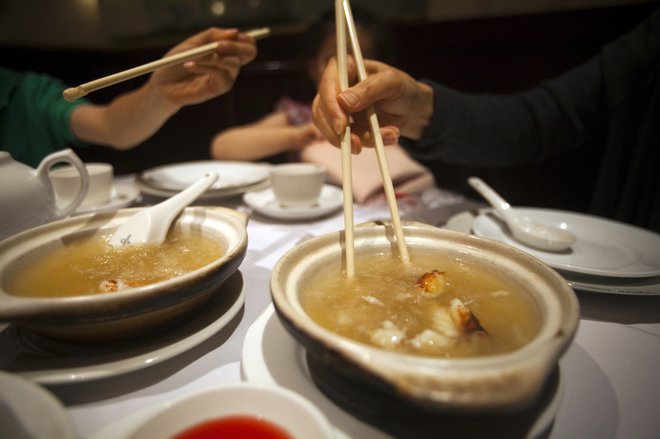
point(611, 101)
point(287, 134)
point(36, 120)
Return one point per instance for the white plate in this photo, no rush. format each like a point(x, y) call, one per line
point(177, 177)
point(265, 203)
point(122, 195)
point(612, 386)
point(463, 221)
point(210, 194)
point(645, 286)
point(27, 410)
point(271, 355)
point(603, 247)
point(36, 358)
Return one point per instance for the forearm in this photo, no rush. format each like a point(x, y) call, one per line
point(421, 113)
point(125, 122)
point(252, 142)
point(504, 130)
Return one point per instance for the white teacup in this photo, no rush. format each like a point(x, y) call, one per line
point(297, 184)
point(66, 183)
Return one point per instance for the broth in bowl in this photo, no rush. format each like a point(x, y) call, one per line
point(60, 266)
point(434, 306)
point(90, 266)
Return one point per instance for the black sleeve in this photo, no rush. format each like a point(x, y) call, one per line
point(488, 130)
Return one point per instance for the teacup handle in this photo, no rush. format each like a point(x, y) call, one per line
point(70, 157)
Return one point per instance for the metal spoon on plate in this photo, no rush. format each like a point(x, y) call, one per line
point(150, 225)
point(534, 234)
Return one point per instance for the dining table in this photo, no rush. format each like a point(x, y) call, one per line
point(606, 384)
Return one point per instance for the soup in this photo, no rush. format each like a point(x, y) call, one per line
point(435, 306)
point(91, 266)
point(235, 427)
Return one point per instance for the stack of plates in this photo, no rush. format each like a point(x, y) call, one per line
point(608, 256)
point(234, 178)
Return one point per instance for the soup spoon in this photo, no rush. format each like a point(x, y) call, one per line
point(534, 234)
point(150, 225)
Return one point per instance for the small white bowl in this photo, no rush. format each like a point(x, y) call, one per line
point(277, 405)
point(28, 411)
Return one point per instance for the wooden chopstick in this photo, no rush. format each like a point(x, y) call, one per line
point(378, 139)
point(71, 94)
point(346, 166)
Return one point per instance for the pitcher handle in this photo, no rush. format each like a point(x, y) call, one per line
point(70, 157)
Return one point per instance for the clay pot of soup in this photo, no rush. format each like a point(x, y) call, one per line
point(468, 325)
point(63, 281)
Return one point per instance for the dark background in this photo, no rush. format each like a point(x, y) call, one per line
point(493, 54)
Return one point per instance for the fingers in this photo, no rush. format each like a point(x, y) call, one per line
point(213, 64)
point(245, 51)
point(230, 44)
point(331, 105)
point(379, 85)
point(326, 112)
point(211, 35)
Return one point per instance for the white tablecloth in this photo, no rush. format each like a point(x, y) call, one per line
point(609, 374)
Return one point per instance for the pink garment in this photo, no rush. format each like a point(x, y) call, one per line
point(297, 113)
point(408, 176)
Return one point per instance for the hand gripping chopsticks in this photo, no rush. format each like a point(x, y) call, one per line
point(344, 19)
point(71, 94)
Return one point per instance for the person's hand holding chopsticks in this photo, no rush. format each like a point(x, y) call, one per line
point(134, 116)
point(206, 77)
point(404, 106)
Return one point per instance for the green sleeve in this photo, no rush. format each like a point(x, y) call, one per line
point(35, 119)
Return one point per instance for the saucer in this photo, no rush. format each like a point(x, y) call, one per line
point(51, 362)
point(233, 174)
point(211, 194)
point(122, 195)
point(265, 203)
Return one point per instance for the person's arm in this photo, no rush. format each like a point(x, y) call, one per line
point(135, 116)
point(489, 130)
point(436, 122)
point(267, 137)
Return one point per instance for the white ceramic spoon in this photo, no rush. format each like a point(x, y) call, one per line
point(534, 234)
point(150, 225)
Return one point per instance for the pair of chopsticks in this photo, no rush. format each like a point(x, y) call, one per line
point(344, 20)
point(71, 94)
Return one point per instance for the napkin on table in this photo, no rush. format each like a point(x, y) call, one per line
point(408, 176)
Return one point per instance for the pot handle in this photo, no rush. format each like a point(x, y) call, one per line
point(70, 157)
point(242, 217)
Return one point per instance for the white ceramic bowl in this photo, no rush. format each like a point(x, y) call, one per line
point(277, 405)
point(29, 411)
point(503, 382)
point(93, 318)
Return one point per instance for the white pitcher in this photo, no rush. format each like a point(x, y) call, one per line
point(27, 198)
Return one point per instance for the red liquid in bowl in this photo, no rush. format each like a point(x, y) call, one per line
point(235, 427)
